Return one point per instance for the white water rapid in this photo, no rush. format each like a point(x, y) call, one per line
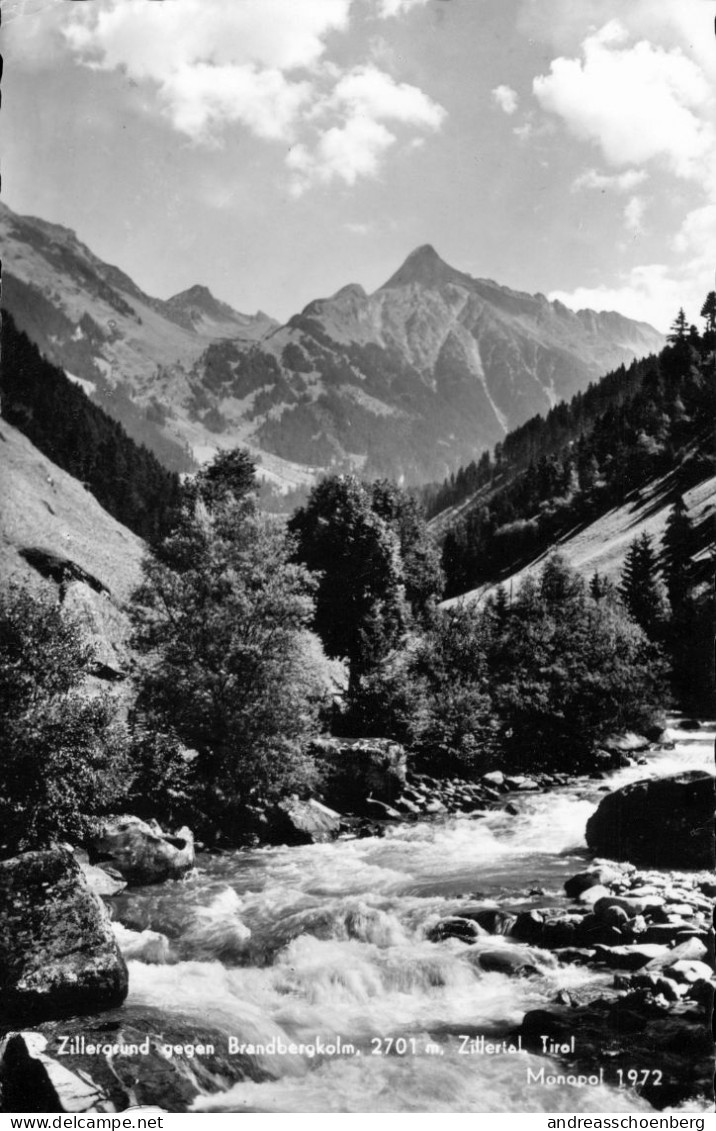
point(328, 942)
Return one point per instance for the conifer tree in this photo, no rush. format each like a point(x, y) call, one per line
point(679, 328)
point(640, 586)
point(708, 311)
point(676, 553)
point(501, 605)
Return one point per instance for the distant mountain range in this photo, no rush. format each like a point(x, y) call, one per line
point(410, 381)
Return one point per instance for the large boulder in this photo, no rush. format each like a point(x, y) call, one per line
point(638, 1037)
point(137, 1055)
point(663, 822)
point(293, 821)
point(58, 954)
point(356, 770)
point(141, 852)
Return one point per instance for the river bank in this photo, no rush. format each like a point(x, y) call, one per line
point(330, 945)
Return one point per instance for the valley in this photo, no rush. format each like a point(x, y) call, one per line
point(409, 382)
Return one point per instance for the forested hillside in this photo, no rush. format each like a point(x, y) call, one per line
point(77, 435)
point(560, 472)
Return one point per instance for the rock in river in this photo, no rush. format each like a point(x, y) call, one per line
point(141, 852)
point(664, 821)
point(354, 770)
point(58, 954)
point(293, 821)
point(456, 927)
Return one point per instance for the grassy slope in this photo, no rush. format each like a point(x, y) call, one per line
point(603, 544)
point(42, 506)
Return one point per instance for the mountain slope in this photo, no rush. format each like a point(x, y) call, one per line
point(426, 372)
point(130, 351)
point(196, 309)
point(410, 381)
point(54, 533)
point(591, 475)
point(44, 508)
point(602, 545)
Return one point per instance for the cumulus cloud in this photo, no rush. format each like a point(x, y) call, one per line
point(619, 182)
point(634, 214)
point(642, 89)
point(343, 153)
point(370, 93)
point(154, 40)
point(364, 99)
point(655, 292)
point(388, 8)
point(696, 242)
point(203, 98)
point(262, 65)
point(697, 235)
point(213, 63)
point(649, 293)
point(637, 103)
point(678, 23)
point(506, 98)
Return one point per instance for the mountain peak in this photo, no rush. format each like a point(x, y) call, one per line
point(351, 290)
point(424, 266)
point(198, 302)
point(196, 295)
point(197, 309)
point(425, 254)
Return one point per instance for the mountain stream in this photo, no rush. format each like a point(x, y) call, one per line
point(325, 947)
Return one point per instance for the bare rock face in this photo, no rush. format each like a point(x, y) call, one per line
point(58, 954)
point(417, 376)
point(141, 852)
point(362, 769)
point(664, 822)
point(103, 625)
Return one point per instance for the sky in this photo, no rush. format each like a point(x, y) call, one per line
point(276, 150)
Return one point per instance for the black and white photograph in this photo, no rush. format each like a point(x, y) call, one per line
point(357, 559)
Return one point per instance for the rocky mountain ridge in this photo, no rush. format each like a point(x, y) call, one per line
point(409, 382)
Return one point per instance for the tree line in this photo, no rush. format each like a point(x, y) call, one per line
point(564, 425)
point(231, 686)
point(557, 473)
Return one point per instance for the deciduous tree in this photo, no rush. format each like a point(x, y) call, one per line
point(63, 752)
point(361, 609)
point(221, 617)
